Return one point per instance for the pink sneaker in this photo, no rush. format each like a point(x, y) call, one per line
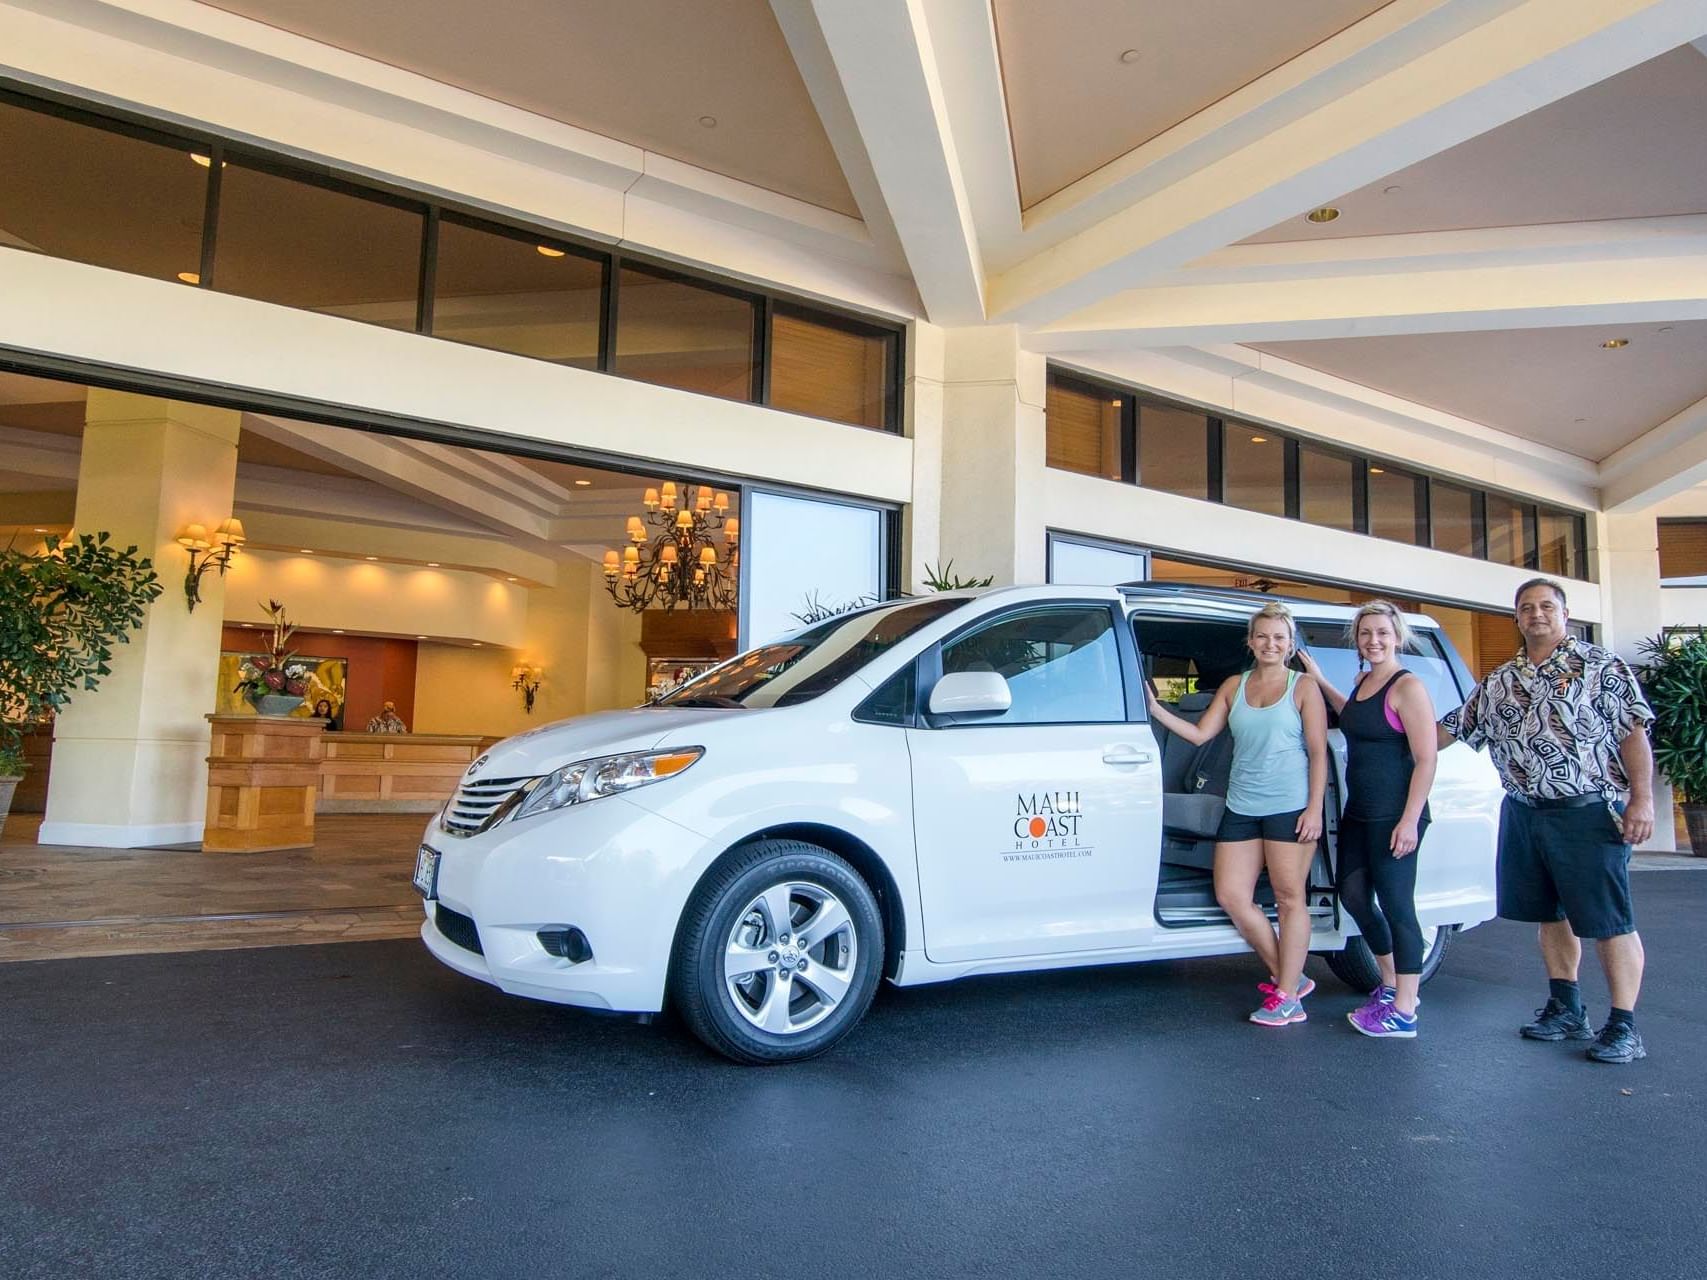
point(1306, 985)
point(1279, 1010)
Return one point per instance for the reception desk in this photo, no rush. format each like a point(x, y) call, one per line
point(392, 772)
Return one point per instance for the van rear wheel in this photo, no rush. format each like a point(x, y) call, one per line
point(779, 954)
point(1356, 967)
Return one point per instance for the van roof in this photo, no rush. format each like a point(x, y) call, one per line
point(1239, 602)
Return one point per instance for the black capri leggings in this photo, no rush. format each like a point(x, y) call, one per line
point(1369, 871)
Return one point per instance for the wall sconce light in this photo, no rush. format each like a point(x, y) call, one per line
point(208, 553)
point(527, 679)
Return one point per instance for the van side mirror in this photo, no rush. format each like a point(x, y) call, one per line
point(969, 692)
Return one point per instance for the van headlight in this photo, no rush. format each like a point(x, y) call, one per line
point(608, 776)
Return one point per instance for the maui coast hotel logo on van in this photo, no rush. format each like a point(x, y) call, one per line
point(1047, 825)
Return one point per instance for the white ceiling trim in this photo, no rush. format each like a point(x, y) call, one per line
point(1531, 53)
point(1520, 296)
point(1667, 461)
point(885, 62)
point(191, 64)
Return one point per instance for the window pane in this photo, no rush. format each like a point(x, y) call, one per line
point(1507, 541)
point(74, 191)
point(830, 370)
point(1452, 513)
point(804, 554)
point(288, 241)
point(1253, 462)
point(1683, 552)
point(1173, 450)
point(1082, 430)
point(499, 291)
point(1084, 564)
point(1558, 538)
point(1062, 666)
point(678, 334)
point(1324, 489)
point(1392, 504)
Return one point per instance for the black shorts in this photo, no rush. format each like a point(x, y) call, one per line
point(1565, 864)
point(1273, 826)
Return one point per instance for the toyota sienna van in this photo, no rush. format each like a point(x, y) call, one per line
point(927, 789)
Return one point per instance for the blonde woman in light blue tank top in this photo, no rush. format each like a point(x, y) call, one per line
point(1274, 803)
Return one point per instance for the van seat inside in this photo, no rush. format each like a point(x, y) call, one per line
point(1194, 782)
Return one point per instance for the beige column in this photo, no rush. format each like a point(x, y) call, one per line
point(1628, 548)
point(992, 442)
point(130, 759)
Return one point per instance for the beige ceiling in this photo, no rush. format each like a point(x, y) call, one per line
point(1074, 105)
point(641, 71)
point(1557, 387)
point(1633, 146)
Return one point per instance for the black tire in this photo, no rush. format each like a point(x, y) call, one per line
point(1356, 967)
point(698, 986)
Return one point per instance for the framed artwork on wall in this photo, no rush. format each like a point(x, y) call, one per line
point(326, 681)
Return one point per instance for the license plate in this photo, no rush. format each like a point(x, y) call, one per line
point(427, 872)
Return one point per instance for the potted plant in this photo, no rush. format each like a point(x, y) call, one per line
point(1675, 680)
point(60, 615)
point(273, 684)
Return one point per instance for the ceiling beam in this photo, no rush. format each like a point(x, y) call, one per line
point(1658, 465)
point(1308, 306)
point(1524, 56)
point(886, 69)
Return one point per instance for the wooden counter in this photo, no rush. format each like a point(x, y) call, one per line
point(261, 780)
point(392, 772)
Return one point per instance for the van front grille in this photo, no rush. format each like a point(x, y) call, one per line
point(476, 803)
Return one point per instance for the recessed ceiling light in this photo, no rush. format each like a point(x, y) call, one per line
point(1114, 403)
point(1612, 344)
point(337, 631)
point(1129, 56)
point(190, 277)
point(547, 251)
point(509, 579)
point(1377, 471)
point(303, 551)
point(41, 530)
point(205, 162)
point(583, 483)
point(1259, 439)
point(477, 644)
point(708, 122)
point(1327, 213)
point(420, 637)
point(432, 564)
point(373, 557)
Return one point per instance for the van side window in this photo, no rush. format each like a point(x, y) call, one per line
point(1062, 665)
point(892, 702)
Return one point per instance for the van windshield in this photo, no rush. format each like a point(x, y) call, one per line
point(1330, 646)
point(810, 662)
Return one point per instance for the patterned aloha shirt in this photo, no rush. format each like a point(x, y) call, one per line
point(1555, 729)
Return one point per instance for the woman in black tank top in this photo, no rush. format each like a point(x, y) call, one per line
point(1388, 722)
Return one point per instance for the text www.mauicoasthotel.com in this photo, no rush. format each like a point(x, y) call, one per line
point(1046, 855)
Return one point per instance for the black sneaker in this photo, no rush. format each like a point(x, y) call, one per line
point(1618, 1042)
point(1553, 1021)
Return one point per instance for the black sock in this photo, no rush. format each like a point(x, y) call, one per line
point(1626, 1016)
point(1566, 993)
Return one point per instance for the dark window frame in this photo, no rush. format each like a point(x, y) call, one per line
point(1134, 401)
point(220, 148)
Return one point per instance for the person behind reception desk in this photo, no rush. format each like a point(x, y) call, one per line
point(323, 711)
point(387, 721)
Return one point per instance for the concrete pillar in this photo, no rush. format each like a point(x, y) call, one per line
point(993, 404)
point(129, 760)
point(1629, 560)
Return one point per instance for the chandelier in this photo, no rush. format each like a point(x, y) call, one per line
point(684, 552)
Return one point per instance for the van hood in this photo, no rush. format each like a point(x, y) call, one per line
point(605, 733)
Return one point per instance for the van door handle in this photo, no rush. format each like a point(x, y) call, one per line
point(1126, 755)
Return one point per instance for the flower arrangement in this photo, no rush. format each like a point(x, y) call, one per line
point(272, 675)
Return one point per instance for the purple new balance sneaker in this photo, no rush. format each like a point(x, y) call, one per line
point(1382, 1020)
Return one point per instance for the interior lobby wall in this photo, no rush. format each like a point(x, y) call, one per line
point(586, 647)
point(381, 669)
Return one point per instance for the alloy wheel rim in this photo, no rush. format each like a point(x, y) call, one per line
point(788, 962)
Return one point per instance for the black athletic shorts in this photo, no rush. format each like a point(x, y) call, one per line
point(1565, 864)
point(1274, 826)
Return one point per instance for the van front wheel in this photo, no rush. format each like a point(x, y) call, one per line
point(779, 953)
point(1356, 967)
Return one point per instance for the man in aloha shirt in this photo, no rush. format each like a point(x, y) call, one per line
point(1566, 726)
point(387, 721)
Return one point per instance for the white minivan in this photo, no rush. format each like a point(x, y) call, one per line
point(957, 784)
